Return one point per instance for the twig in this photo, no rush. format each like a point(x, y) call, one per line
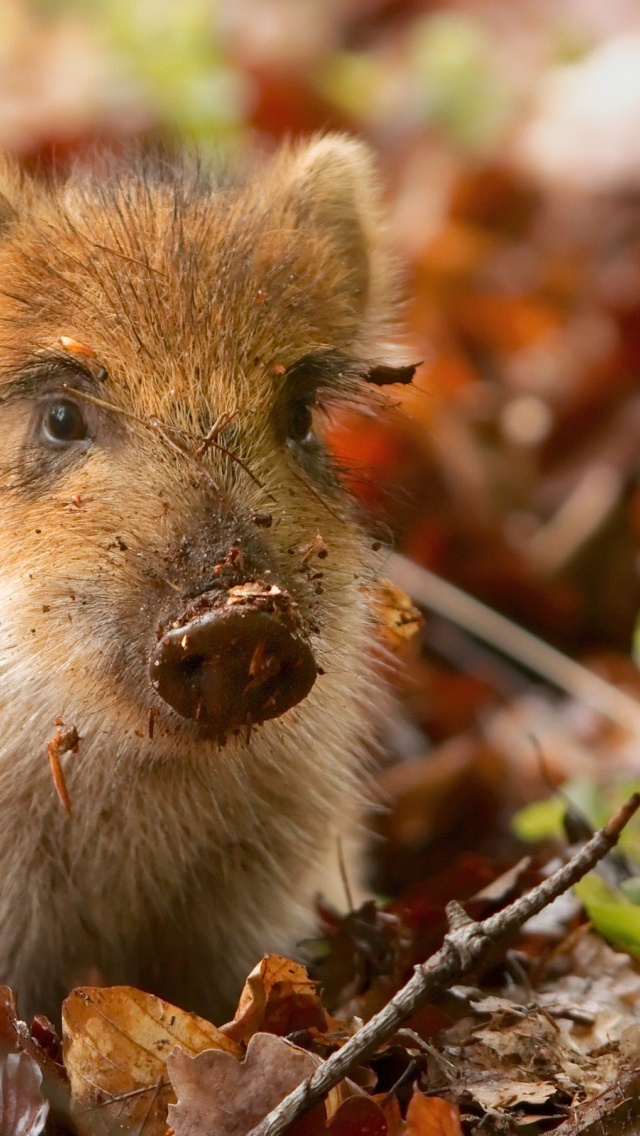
point(131, 259)
point(65, 740)
point(466, 944)
point(318, 496)
point(489, 626)
point(579, 517)
point(164, 431)
point(615, 1110)
point(211, 439)
point(84, 396)
point(344, 877)
point(214, 432)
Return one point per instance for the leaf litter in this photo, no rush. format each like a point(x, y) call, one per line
point(549, 1027)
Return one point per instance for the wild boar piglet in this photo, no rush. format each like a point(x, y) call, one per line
point(183, 580)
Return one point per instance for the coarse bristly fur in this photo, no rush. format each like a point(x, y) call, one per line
point(159, 305)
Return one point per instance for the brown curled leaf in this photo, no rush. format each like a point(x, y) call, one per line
point(278, 997)
point(399, 619)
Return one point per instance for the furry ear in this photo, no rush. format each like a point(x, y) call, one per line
point(331, 193)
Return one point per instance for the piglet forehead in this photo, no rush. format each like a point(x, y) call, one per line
point(200, 298)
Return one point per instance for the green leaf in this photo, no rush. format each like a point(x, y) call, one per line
point(459, 89)
point(542, 820)
point(612, 914)
point(631, 889)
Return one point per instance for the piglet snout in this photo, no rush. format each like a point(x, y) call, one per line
point(235, 658)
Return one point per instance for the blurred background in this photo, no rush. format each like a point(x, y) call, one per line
point(508, 138)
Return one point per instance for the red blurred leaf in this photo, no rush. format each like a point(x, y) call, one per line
point(393, 1117)
point(496, 199)
point(285, 105)
point(428, 1021)
point(9, 1035)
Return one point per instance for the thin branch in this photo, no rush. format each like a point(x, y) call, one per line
point(499, 632)
point(318, 496)
point(84, 396)
point(345, 877)
point(131, 259)
point(243, 465)
point(164, 431)
point(466, 944)
point(580, 516)
point(616, 1110)
point(214, 431)
point(211, 439)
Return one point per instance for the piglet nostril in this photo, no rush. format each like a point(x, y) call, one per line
point(235, 660)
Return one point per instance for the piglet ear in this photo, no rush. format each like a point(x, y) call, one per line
point(331, 192)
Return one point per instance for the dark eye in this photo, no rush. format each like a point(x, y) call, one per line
point(300, 419)
point(64, 423)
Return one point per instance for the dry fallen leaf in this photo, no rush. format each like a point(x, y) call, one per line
point(503, 1094)
point(432, 1116)
point(278, 997)
point(217, 1094)
point(116, 1043)
point(398, 617)
point(597, 1000)
point(341, 1099)
point(367, 958)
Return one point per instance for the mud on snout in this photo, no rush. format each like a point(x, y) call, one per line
point(234, 656)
